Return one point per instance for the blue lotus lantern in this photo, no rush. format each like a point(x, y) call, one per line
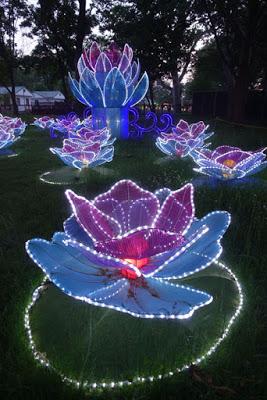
point(120, 250)
point(108, 83)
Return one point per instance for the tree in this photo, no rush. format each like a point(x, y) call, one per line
point(208, 73)
point(61, 27)
point(11, 13)
point(237, 26)
point(163, 35)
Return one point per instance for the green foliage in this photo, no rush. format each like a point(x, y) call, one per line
point(208, 73)
point(30, 208)
point(238, 29)
point(161, 33)
point(61, 27)
point(162, 95)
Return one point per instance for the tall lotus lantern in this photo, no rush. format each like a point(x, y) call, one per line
point(108, 83)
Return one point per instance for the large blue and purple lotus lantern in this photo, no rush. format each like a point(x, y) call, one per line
point(14, 125)
point(86, 148)
point(183, 139)
point(7, 138)
point(109, 83)
point(121, 249)
point(44, 122)
point(10, 131)
point(227, 162)
point(67, 125)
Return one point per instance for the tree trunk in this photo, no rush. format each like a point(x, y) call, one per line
point(238, 95)
point(80, 33)
point(65, 88)
point(13, 93)
point(264, 103)
point(176, 95)
point(148, 102)
point(151, 95)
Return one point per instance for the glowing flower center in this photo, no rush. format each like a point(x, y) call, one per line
point(139, 263)
point(84, 160)
point(229, 163)
point(179, 152)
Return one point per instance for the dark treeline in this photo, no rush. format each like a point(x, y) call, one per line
point(222, 44)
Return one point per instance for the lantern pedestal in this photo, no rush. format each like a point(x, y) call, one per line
point(115, 119)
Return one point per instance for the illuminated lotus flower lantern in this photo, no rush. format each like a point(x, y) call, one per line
point(183, 139)
point(7, 138)
point(87, 149)
point(120, 249)
point(44, 122)
point(15, 125)
point(67, 125)
point(227, 162)
point(108, 82)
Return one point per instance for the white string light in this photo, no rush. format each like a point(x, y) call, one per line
point(226, 172)
point(41, 358)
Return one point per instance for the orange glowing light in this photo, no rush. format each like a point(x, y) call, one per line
point(229, 163)
point(138, 263)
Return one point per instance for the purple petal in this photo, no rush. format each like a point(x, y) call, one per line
point(128, 204)
point(197, 128)
point(97, 225)
point(94, 53)
point(222, 150)
point(182, 126)
point(177, 212)
point(103, 64)
point(140, 244)
point(128, 51)
point(235, 155)
point(124, 63)
point(84, 156)
point(114, 54)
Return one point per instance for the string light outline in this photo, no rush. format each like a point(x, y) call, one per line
point(117, 308)
point(232, 173)
point(108, 195)
point(40, 358)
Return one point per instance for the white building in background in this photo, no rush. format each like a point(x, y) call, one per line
point(47, 97)
point(23, 98)
point(26, 99)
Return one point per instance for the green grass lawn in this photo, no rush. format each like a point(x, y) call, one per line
point(30, 208)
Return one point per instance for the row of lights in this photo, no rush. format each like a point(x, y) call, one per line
point(39, 357)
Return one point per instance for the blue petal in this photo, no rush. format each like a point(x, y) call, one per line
point(115, 91)
point(136, 67)
point(89, 277)
point(139, 91)
point(74, 230)
point(5, 145)
point(257, 168)
point(167, 147)
point(106, 155)
point(66, 158)
point(205, 162)
point(78, 164)
point(249, 162)
point(74, 86)
point(90, 89)
point(201, 253)
point(152, 298)
point(162, 194)
point(76, 271)
point(207, 135)
point(220, 173)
